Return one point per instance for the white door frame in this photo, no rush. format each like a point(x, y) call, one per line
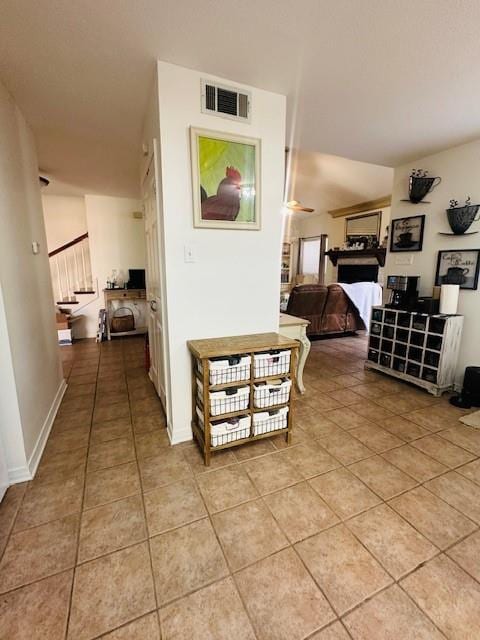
point(161, 306)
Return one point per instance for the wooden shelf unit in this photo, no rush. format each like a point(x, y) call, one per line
point(203, 350)
point(286, 266)
point(416, 347)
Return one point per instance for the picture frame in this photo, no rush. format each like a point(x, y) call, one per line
point(407, 234)
point(225, 180)
point(364, 228)
point(460, 267)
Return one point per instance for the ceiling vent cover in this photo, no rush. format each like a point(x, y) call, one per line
point(226, 102)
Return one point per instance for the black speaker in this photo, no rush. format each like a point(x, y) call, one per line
point(470, 395)
point(427, 305)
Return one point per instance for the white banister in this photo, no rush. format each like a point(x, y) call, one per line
point(59, 281)
point(77, 280)
point(65, 266)
point(72, 272)
point(83, 264)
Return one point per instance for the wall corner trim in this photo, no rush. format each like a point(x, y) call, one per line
point(20, 474)
point(185, 435)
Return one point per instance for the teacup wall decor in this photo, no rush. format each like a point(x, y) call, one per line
point(461, 218)
point(419, 184)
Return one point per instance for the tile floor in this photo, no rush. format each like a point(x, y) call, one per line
point(367, 527)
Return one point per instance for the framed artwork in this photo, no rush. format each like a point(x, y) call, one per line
point(364, 228)
point(407, 234)
point(458, 267)
point(225, 180)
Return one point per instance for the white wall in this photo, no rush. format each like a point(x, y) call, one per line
point(233, 286)
point(117, 241)
point(11, 434)
point(459, 169)
point(28, 308)
point(65, 219)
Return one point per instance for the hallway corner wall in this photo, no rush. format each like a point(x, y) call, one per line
point(233, 285)
point(29, 333)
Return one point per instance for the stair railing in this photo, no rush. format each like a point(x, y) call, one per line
point(71, 271)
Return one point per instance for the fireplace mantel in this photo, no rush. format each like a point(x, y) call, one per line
point(379, 254)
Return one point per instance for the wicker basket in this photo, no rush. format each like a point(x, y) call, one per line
point(125, 322)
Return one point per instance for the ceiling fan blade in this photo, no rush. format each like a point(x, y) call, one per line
point(294, 205)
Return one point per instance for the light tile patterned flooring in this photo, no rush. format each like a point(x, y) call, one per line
point(367, 527)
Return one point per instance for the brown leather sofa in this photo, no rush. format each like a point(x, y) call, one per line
point(328, 308)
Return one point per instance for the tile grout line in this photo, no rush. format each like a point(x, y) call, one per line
point(142, 498)
point(293, 547)
point(227, 564)
point(395, 582)
point(306, 480)
point(80, 520)
point(290, 544)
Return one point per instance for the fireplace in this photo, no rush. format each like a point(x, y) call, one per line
point(349, 273)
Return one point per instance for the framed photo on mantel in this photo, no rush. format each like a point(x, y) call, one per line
point(458, 267)
point(225, 180)
point(407, 234)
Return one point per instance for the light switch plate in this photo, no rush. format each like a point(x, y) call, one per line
point(188, 254)
point(35, 247)
point(405, 259)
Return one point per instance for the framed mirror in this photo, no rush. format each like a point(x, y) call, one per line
point(364, 228)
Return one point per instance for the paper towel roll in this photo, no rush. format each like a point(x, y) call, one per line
point(449, 298)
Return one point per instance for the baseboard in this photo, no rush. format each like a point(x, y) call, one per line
point(183, 436)
point(45, 431)
point(19, 474)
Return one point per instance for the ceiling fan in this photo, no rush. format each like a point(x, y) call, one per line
point(294, 205)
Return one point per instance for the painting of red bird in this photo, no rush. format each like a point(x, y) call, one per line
point(225, 205)
point(226, 173)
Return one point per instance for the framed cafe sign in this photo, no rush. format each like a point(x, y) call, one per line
point(407, 234)
point(458, 267)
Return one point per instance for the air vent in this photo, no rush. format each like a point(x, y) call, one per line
point(225, 102)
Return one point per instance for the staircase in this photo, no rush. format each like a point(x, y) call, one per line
point(71, 272)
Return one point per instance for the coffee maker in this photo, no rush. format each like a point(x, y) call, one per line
point(404, 292)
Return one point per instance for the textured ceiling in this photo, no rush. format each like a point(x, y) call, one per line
point(381, 81)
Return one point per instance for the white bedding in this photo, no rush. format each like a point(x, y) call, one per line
point(364, 295)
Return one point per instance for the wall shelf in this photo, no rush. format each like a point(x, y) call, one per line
point(421, 201)
point(457, 235)
point(286, 266)
point(379, 254)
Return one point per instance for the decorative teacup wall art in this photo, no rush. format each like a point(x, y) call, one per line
point(461, 218)
point(419, 184)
